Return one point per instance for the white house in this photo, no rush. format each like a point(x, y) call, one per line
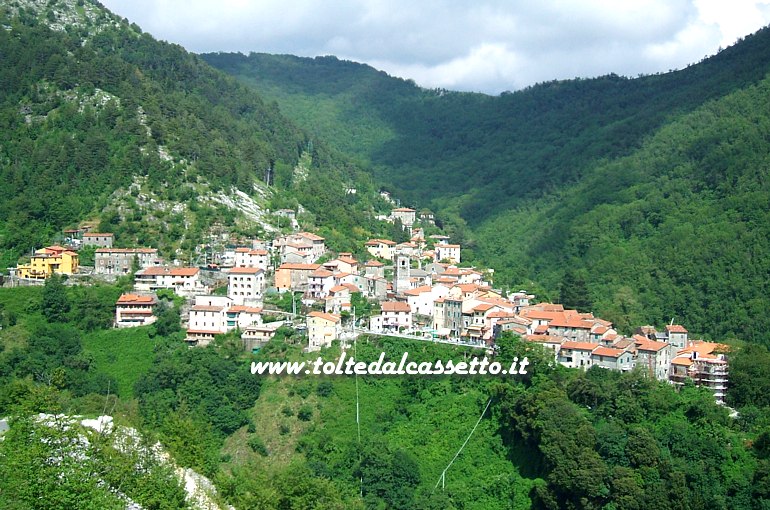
point(241, 316)
point(406, 215)
point(185, 281)
point(576, 354)
point(245, 285)
point(135, 310)
point(320, 282)
point(448, 252)
point(381, 248)
point(422, 299)
point(207, 319)
point(395, 315)
point(249, 257)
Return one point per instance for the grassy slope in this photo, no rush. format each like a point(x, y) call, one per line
point(124, 354)
point(17, 301)
point(428, 418)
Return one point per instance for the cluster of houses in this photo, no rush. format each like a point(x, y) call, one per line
point(419, 290)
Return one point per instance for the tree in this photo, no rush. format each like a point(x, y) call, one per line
point(398, 232)
point(55, 304)
point(574, 292)
point(168, 319)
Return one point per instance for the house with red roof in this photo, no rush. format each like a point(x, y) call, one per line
point(652, 357)
point(245, 285)
point(132, 310)
point(322, 329)
point(395, 316)
point(422, 299)
point(676, 336)
point(405, 215)
point(184, 281)
point(252, 257)
point(705, 363)
point(100, 239)
point(381, 248)
point(320, 283)
point(294, 277)
point(612, 358)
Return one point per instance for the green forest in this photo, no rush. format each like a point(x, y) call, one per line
point(553, 438)
point(653, 189)
point(88, 114)
point(643, 199)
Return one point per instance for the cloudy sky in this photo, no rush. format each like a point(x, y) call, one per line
point(474, 45)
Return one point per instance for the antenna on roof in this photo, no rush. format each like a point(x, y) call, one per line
point(672, 321)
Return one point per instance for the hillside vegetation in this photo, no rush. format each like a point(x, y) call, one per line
point(102, 122)
point(553, 438)
point(654, 189)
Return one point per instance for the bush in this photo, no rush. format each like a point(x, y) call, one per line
point(305, 413)
point(324, 388)
point(257, 446)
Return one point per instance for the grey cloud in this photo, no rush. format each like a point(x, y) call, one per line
point(487, 45)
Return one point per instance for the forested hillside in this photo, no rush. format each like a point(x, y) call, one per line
point(553, 438)
point(90, 106)
point(654, 189)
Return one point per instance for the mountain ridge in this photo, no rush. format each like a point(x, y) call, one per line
point(518, 163)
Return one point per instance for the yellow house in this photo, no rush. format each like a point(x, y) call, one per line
point(47, 261)
point(381, 248)
point(322, 329)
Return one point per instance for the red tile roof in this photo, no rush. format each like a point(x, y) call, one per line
point(579, 346)
point(311, 236)
point(184, 271)
point(299, 267)
point(246, 270)
point(325, 316)
point(244, 309)
point(375, 242)
point(135, 299)
point(419, 290)
point(608, 351)
point(206, 308)
point(396, 306)
point(650, 345)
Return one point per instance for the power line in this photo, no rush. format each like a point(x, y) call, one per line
point(358, 416)
point(442, 478)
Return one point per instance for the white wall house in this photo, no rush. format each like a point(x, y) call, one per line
point(135, 310)
point(245, 285)
point(249, 257)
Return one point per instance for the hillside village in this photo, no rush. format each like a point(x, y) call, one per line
point(415, 289)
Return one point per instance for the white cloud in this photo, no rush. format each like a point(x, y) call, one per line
point(486, 45)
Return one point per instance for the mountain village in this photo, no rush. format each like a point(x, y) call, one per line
point(416, 289)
